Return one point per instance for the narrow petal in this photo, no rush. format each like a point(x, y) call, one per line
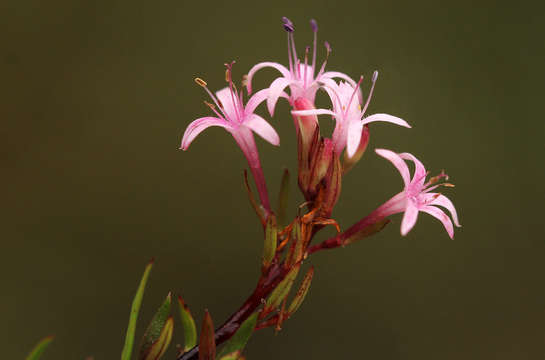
point(355, 129)
point(275, 90)
point(312, 112)
point(285, 72)
point(340, 75)
point(386, 118)
point(445, 202)
point(261, 127)
point(419, 169)
point(441, 216)
point(230, 108)
point(255, 100)
point(197, 126)
point(398, 163)
point(409, 218)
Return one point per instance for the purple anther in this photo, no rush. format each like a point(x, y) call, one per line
point(327, 46)
point(314, 25)
point(288, 25)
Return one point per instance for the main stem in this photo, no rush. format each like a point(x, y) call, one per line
point(264, 287)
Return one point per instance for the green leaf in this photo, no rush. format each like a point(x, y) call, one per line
point(207, 342)
point(159, 347)
point(38, 350)
point(283, 197)
point(302, 292)
point(190, 331)
point(271, 237)
point(241, 337)
point(155, 328)
point(283, 289)
point(129, 337)
point(367, 231)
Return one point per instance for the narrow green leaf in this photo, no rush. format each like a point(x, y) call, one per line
point(367, 231)
point(207, 342)
point(302, 292)
point(129, 337)
point(190, 331)
point(38, 350)
point(271, 237)
point(283, 289)
point(283, 197)
point(158, 348)
point(241, 337)
point(235, 355)
point(156, 327)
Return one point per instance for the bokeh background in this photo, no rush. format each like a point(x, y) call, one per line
point(95, 96)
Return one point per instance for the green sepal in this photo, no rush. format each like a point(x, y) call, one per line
point(367, 231)
point(241, 337)
point(271, 237)
point(156, 327)
point(188, 324)
point(40, 347)
point(302, 292)
point(160, 346)
point(282, 290)
point(137, 301)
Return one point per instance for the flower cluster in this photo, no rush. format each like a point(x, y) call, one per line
point(322, 161)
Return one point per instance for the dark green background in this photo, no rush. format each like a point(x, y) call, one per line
point(95, 97)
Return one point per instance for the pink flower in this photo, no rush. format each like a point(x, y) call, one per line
point(301, 77)
point(416, 195)
point(349, 114)
point(240, 121)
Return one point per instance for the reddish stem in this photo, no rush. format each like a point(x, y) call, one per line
point(264, 287)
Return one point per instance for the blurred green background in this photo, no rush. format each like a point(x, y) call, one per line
point(95, 97)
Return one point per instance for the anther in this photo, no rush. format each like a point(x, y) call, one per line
point(327, 47)
point(200, 82)
point(314, 25)
point(375, 76)
point(288, 25)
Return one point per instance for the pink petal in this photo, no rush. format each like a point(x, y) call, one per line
point(419, 169)
point(386, 118)
point(355, 129)
point(275, 90)
point(255, 100)
point(441, 216)
point(312, 112)
point(262, 128)
point(197, 126)
point(226, 101)
point(445, 202)
point(398, 163)
point(340, 75)
point(409, 218)
point(285, 72)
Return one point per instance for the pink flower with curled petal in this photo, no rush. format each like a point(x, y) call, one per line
point(300, 77)
point(240, 121)
point(349, 114)
point(416, 195)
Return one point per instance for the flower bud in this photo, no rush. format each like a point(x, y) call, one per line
point(308, 134)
